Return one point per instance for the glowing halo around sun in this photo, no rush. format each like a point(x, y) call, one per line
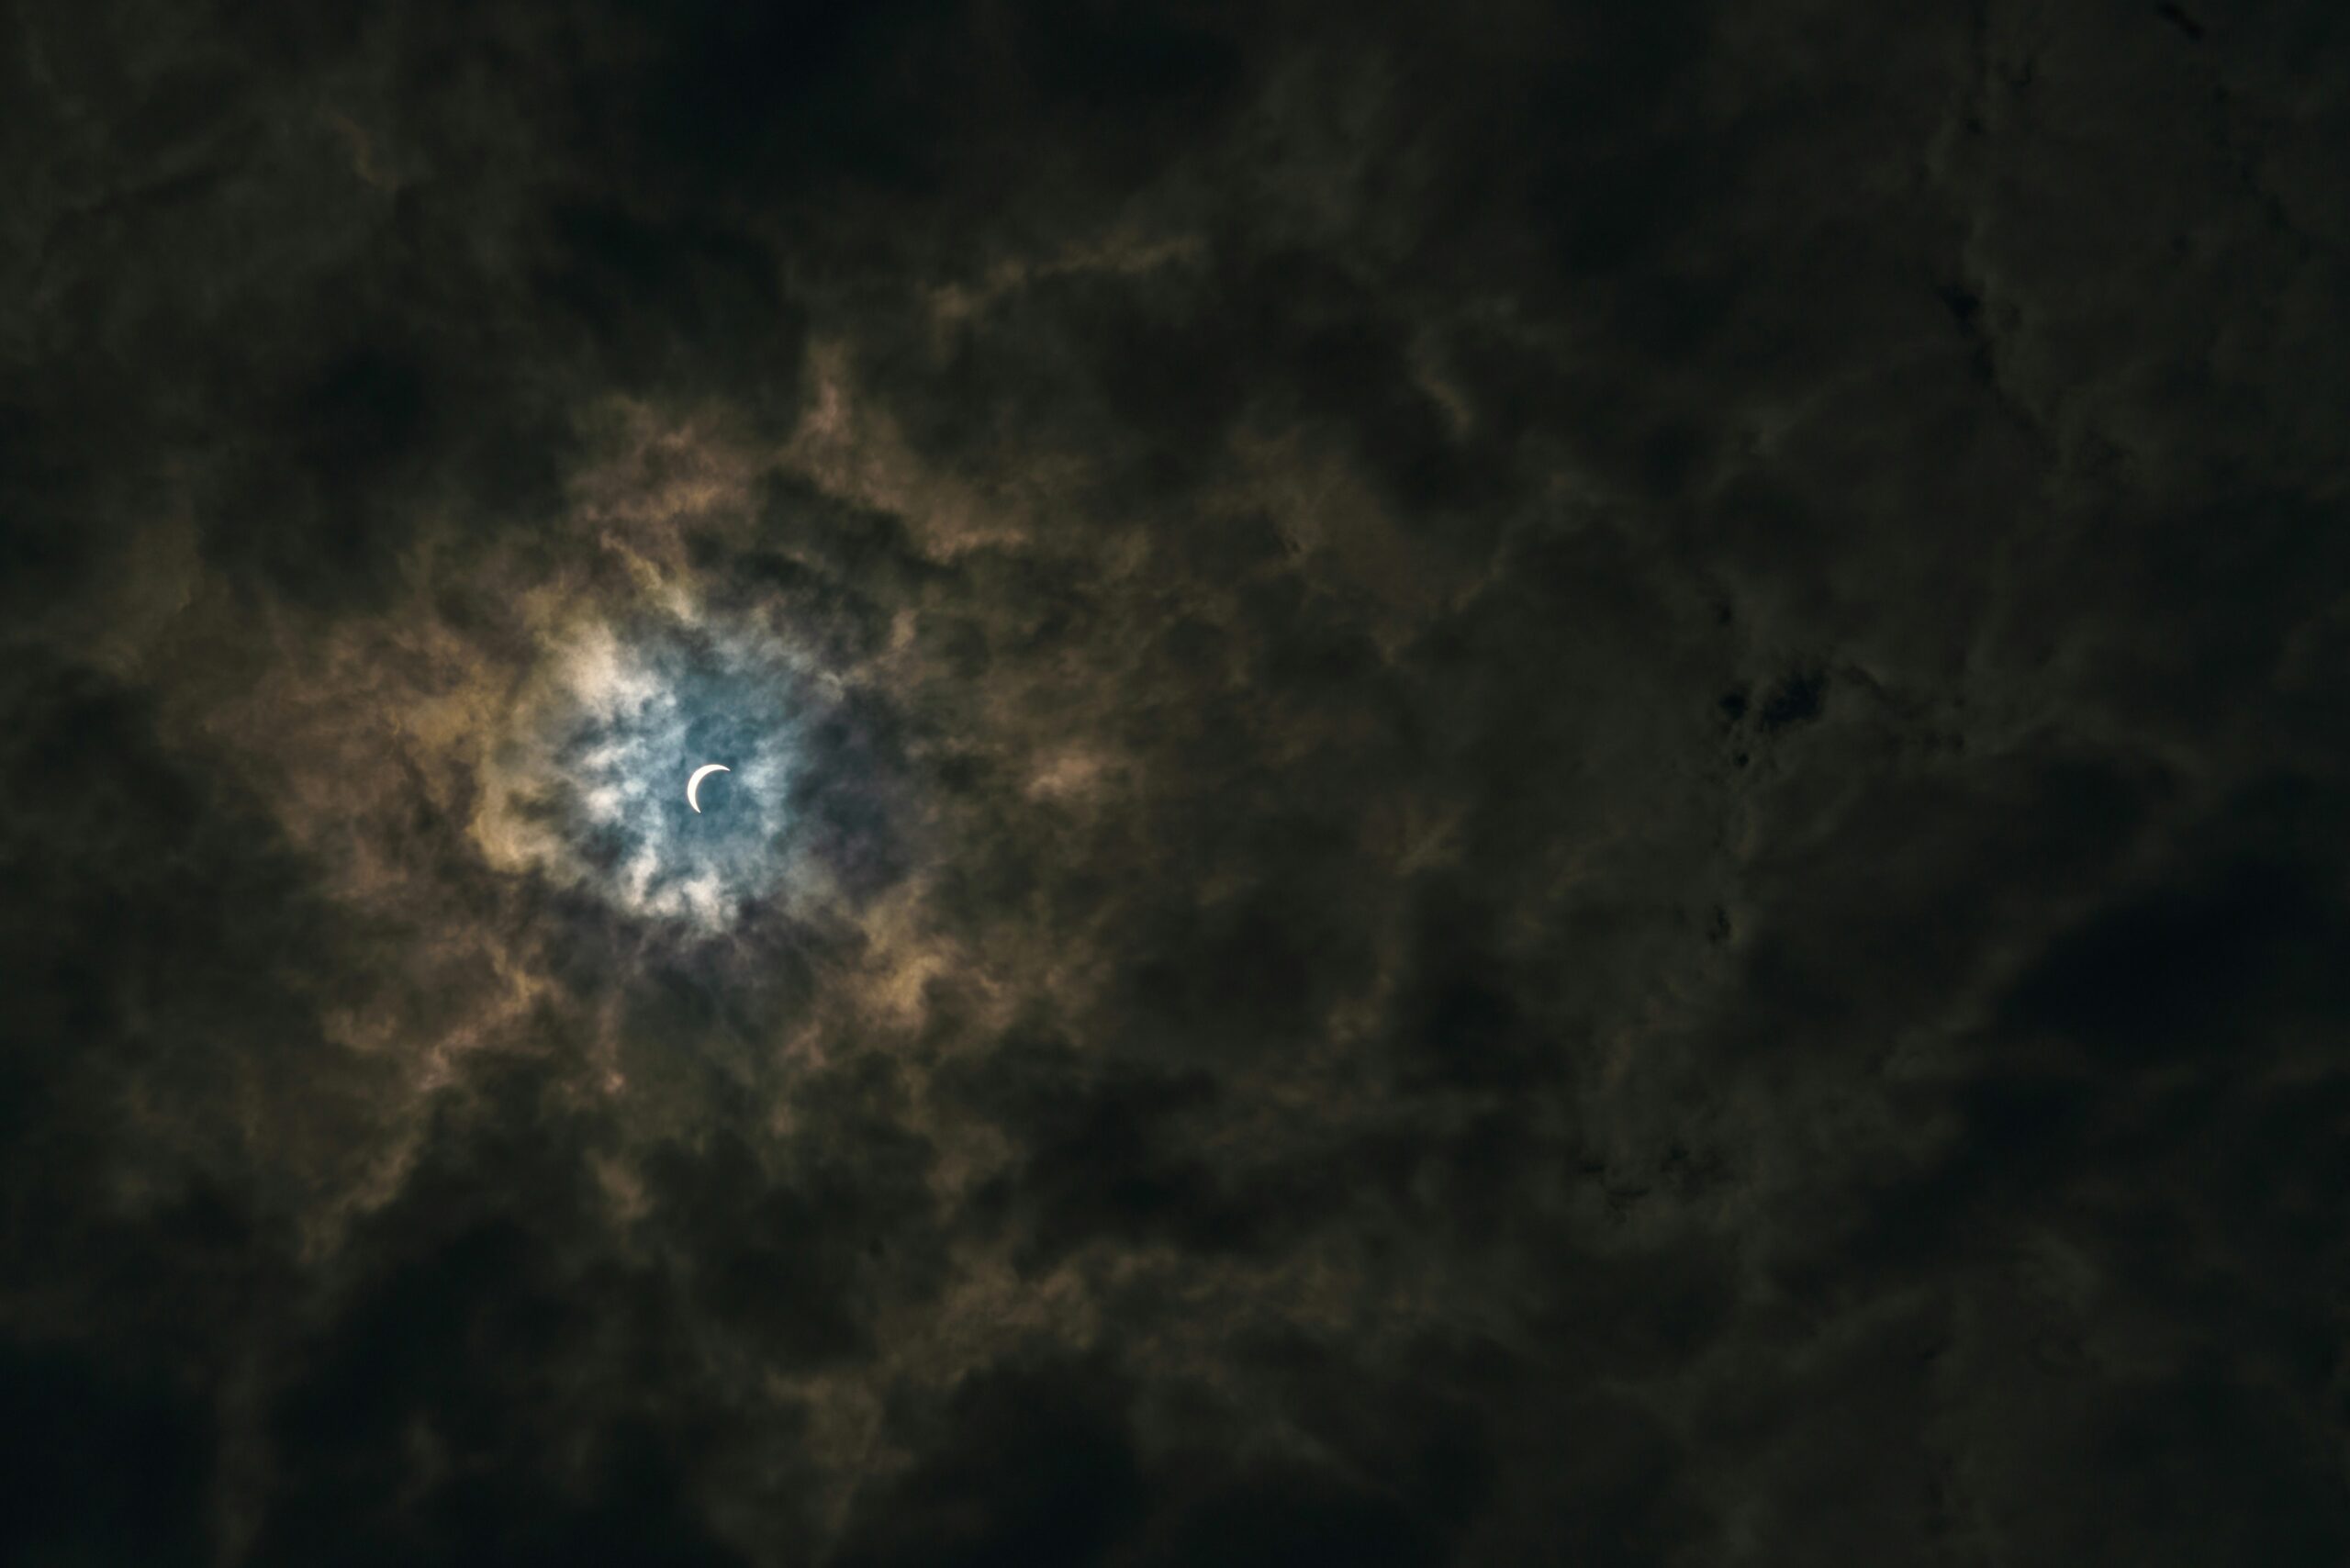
point(579, 784)
point(583, 785)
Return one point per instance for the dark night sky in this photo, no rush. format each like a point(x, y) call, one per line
point(1512, 784)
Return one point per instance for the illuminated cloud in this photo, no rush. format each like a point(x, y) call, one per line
point(1505, 784)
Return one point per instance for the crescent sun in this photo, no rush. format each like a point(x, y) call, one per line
point(694, 783)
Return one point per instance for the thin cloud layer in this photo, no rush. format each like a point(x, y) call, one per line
point(1508, 787)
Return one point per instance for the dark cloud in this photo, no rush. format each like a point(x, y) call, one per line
point(1514, 785)
point(1032, 1461)
point(100, 1468)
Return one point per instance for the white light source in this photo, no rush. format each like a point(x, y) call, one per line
point(694, 783)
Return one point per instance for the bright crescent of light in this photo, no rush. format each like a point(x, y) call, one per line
point(694, 783)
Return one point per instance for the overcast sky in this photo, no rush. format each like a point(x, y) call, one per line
point(1509, 783)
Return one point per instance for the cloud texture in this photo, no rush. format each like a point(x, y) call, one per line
point(1510, 784)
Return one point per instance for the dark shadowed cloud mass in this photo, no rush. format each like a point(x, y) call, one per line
point(1511, 784)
